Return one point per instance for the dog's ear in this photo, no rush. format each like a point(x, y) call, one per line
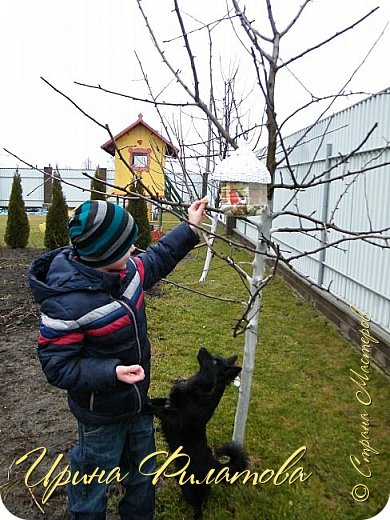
point(203, 355)
point(231, 372)
point(231, 360)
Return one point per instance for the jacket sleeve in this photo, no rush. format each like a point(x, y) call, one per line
point(60, 351)
point(160, 259)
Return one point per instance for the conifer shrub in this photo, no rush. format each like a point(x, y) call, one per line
point(56, 233)
point(97, 183)
point(139, 211)
point(17, 229)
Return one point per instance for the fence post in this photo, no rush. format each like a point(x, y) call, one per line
point(103, 175)
point(325, 205)
point(230, 224)
point(47, 185)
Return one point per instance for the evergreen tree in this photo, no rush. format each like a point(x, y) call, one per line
point(56, 234)
point(97, 183)
point(139, 211)
point(17, 229)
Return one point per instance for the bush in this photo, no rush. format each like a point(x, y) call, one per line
point(56, 233)
point(17, 229)
point(97, 183)
point(139, 211)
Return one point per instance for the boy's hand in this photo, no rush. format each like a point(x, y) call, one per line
point(130, 374)
point(197, 211)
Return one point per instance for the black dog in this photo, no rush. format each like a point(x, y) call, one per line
point(184, 416)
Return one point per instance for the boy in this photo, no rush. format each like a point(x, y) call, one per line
point(93, 342)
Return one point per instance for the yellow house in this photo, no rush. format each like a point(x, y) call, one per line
point(145, 150)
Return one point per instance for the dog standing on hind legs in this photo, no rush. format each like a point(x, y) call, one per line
point(184, 416)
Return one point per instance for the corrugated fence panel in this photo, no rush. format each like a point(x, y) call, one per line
point(32, 186)
point(355, 271)
point(75, 185)
point(297, 242)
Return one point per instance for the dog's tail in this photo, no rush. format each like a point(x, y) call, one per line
point(238, 459)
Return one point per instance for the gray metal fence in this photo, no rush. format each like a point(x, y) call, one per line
point(75, 185)
point(357, 272)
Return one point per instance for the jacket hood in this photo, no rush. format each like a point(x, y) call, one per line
point(57, 272)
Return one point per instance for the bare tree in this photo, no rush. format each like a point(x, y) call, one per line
point(87, 164)
point(207, 122)
point(264, 47)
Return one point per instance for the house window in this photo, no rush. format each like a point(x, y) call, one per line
point(139, 159)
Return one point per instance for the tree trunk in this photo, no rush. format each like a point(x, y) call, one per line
point(252, 331)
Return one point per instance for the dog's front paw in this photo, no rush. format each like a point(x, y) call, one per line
point(159, 402)
point(179, 380)
point(147, 408)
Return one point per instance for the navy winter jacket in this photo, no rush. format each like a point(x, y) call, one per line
point(92, 321)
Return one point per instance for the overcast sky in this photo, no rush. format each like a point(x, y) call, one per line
point(93, 41)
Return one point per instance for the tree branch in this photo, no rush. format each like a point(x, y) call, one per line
point(296, 17)
point(327, 225)
point(193, 95)
point(337, 34)
point(134, 98)
point(189, 51)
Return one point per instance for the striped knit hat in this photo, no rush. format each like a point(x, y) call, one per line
point(101, 232)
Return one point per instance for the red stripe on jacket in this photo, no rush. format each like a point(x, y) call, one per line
point(141, 271)
point(111, 327)
point(141, 268)
point(67, 339)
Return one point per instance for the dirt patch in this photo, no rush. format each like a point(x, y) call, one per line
point(34, 414)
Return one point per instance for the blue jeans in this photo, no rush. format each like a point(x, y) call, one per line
point(106, 447)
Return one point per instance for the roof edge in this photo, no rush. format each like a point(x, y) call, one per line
point(109, 146)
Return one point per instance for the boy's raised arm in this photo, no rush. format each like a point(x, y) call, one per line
point(160, 259)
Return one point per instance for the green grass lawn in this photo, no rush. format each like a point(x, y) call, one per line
point(302, 395)
point(36, 235)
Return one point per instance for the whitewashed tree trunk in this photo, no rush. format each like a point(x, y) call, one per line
point(209, 254)
point(252, 332)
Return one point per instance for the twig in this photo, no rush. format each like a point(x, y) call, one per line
point(35, 500)
point(324, 42)
point(193, 95)
point(143, 100)
point(189, 51)
point(210, 296)
point(316, 180)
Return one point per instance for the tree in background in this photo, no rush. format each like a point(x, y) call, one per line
point(56, 233)
point(87, 164)
point(98, 185)
point(18, 227)
point(138, 209)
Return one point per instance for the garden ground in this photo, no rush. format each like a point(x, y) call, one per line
point(29, 406)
